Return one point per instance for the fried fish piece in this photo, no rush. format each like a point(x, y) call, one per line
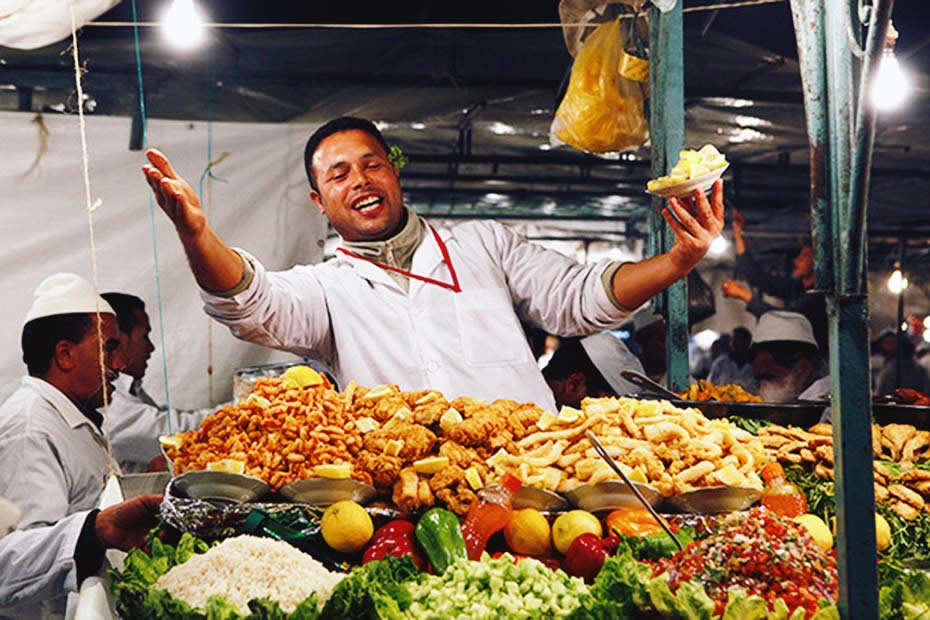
point(384, 469)
point(821, 429)
point(905, 511)
point(447, 477)
point(458, 500)
point(410, 492)
point(881, 493)
point(418, 440)
point(920, 440)
point(905, 494)
point(894, 436)
point(477, 429)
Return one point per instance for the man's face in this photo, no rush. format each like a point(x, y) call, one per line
point(803, 263)
point(571, 390)
point(135, 348)
point(359, 190)
point(781, 378)
point(889, 345)
point(85, 358)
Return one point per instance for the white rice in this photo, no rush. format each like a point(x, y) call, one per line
point(246, 567)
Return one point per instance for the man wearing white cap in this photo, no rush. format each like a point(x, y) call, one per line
point(52, 453)
point(786, 360)
point(590, 367)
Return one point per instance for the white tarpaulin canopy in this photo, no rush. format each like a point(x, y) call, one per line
point(264, 208)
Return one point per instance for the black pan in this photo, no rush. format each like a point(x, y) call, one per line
point(802, 413)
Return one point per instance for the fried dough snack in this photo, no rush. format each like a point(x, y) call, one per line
point(907, 492)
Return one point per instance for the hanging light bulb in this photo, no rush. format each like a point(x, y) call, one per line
point(892, 85)
point(183, 25)
point(897, 282)
point(718, 246)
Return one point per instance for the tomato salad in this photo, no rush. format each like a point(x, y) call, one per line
point(763, 553)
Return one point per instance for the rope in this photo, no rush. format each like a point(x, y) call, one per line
point(161, 314)
point(416, 26)
point(85, 165)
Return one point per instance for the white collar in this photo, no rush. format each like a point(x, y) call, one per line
point(60, 403)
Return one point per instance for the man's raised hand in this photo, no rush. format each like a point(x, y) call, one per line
point(174, 195)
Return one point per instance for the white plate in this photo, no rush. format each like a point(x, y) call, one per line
point(703, 183)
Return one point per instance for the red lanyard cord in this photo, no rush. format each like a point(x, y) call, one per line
point(445, 258)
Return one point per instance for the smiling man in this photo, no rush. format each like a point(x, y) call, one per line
point(409, 303)
point(52, 453)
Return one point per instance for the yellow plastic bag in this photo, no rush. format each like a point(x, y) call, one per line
point(602, 111)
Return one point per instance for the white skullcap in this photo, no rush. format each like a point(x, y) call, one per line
point(66, 293)
point(610, 356)
point(644, 318)
point(782, 326)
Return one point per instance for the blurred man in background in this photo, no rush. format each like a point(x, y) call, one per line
point(135, 420)
point(786, 360)
point(734, 366)
point(590, 367)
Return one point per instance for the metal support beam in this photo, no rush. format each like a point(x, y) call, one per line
point(667, 132)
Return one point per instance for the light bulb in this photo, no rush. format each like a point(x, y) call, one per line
point(927, 323)
point(183, 25)
point(897, 282)
point(892, 85)
point(705, 338)
point(718, 246)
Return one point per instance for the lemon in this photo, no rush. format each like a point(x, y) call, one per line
point(528, 533)
point(303, 376)
point(547, 419)
point(333, 471)
point(171, 441)
point(637, 475)
point(449, 419)
point(882, 532)
point(817, 529)
point(572, 524)
point(567, 414)
point(228, 465)
point(431, 465)
point(346, 527)
point(473, 478)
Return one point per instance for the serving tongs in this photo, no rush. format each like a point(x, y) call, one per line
point(645, 382)
point(642, 500)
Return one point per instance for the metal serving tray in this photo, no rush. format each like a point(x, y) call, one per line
point(712, 500)
point(610, 495)
point(219, 486)
point(326, 491)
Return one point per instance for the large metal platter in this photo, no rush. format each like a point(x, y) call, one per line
point(540, 499)
point(219, 486)
point(804, 414)
point(711, 500)
point(610, 495)
point(892, 413)
point(326, 491)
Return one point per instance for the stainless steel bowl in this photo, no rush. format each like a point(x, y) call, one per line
point(612, 494)
point(540, 499)
point(711, 500)
point(325, 491)
point(219, 486)
point(134, 485)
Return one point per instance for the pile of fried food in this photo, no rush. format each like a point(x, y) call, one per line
point(895, 447)
point(421, 449)
point(731, 393)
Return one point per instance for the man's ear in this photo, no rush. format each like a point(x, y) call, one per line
point(63, 357)
point(317, 200)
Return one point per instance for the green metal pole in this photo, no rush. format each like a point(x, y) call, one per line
point(667, 131)
point(808, 27)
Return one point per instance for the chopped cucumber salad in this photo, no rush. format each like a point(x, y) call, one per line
point(495, 588)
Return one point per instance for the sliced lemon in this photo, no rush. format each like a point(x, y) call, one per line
point(378, 393)
point(426, 398)
point(546, 420)
point(709, 150)
point(567, 414)
point(303, 376)
point(473, 478)
point(393, 447)
point(171, 441)
point(498, 457)
point(255, 399)
point(366, 424)
point(334, 471)
point(637, 475)
point(231, 466)
point(449, 419)
point(401, 415)
point(431, 464)
point(689, 155)
point(551, 478)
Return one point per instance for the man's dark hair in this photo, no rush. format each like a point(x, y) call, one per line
point(125, 305)
point(343, 123)
point(571, 357)
point(41, 335)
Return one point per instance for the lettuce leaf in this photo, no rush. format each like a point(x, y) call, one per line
point(741, 606)
point(658, 546)
point(373, 591)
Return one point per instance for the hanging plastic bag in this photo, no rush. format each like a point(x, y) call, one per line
point(602, 111)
